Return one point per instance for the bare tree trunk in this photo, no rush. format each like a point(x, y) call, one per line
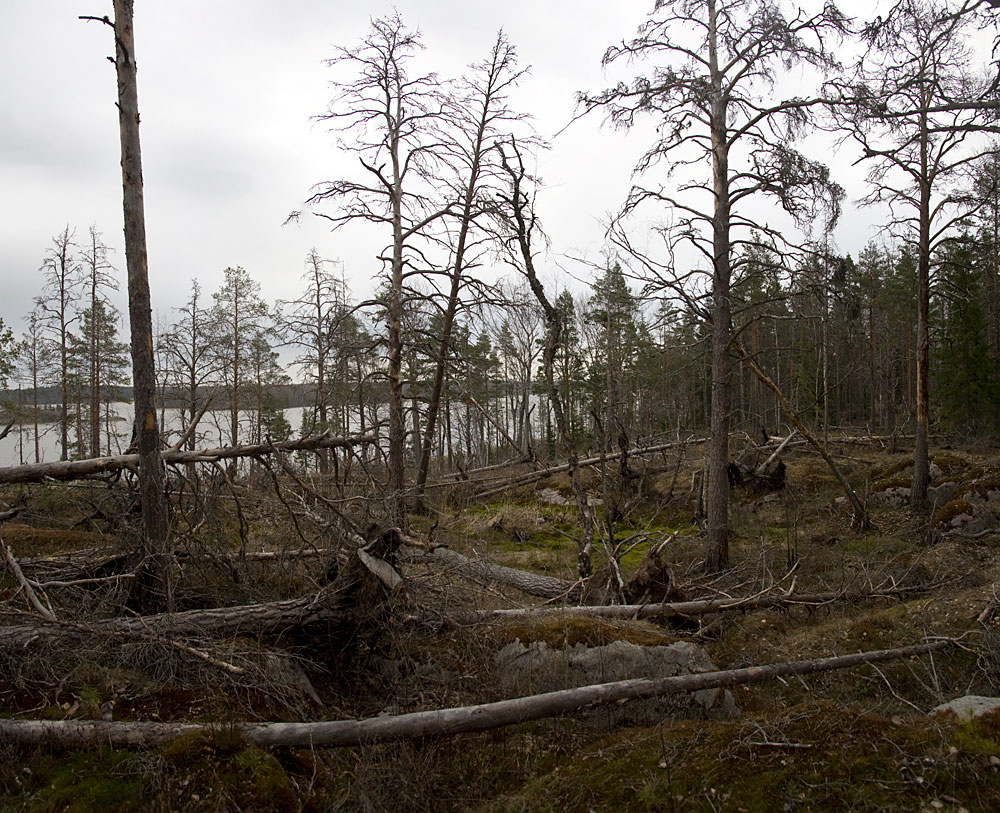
point(717, 542)
point(683, 608)
point(531, 583)
point(154, 587)
point(397, 417)
point(921, 461)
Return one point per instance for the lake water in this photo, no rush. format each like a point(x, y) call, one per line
point(213, 430)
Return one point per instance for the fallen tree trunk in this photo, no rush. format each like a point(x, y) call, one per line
point(696, 607)
point(250, 619)
point(330, 606)
point(766, 467)
point(77, 469)
point(531, 583)
point(861, 521)
point(492, 487)
point(441, 722)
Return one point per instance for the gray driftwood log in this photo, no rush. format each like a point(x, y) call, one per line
point(696, 607)
point(531, 583)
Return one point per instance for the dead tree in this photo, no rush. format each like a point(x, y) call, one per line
point(715, 62)
point(79, 469)
point(62, 280)
point(154, 585)
point(477, 114)
point(333, 606)
point(518, 219)
point(389, 114)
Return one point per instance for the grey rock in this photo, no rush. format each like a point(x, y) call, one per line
point(968, 707)
point(535, 668)
point(892, 497)
point(551, 496)
point(940, 494)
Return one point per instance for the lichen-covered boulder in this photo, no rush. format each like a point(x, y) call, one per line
point(962, 516)
point(894, 496)
point(968, 707)
point(535, 668)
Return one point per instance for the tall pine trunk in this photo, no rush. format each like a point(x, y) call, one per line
point(153, 586)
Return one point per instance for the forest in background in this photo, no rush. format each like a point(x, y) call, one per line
point(446, 362)
point(487, 460)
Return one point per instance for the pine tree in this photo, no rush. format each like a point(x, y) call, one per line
point(966, 381)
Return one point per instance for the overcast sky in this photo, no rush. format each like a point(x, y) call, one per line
point(227, 89)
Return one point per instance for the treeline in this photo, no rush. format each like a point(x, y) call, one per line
point(837, 334)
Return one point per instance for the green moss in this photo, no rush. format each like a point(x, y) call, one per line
point(258, 782)
point(89, 781)
point(29, 541)
point(949, 462)
point(221, 765)
point(814, 757)
point(894, 469)
point(871, 544)
point(899, 481)
point(562, 631)
point(947, 512)
point(188, 749)
point(980, 488)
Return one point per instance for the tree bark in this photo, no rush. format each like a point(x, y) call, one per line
point(441, 722)
point(717, 541)
point(921, 458)
point(154, 586)
point(696, 607)
point(531, 583)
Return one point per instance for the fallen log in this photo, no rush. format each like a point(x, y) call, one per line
point(332, 605)
point(78, 469)
point(696, 607)
point(533, 584)
point(766, 467)
point(26, 586)
point(492, 487)
point(862, 521)
point(93, 563)
point(250, 619)
point(441, 722)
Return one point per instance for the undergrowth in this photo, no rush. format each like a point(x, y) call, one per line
point(857, 739)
